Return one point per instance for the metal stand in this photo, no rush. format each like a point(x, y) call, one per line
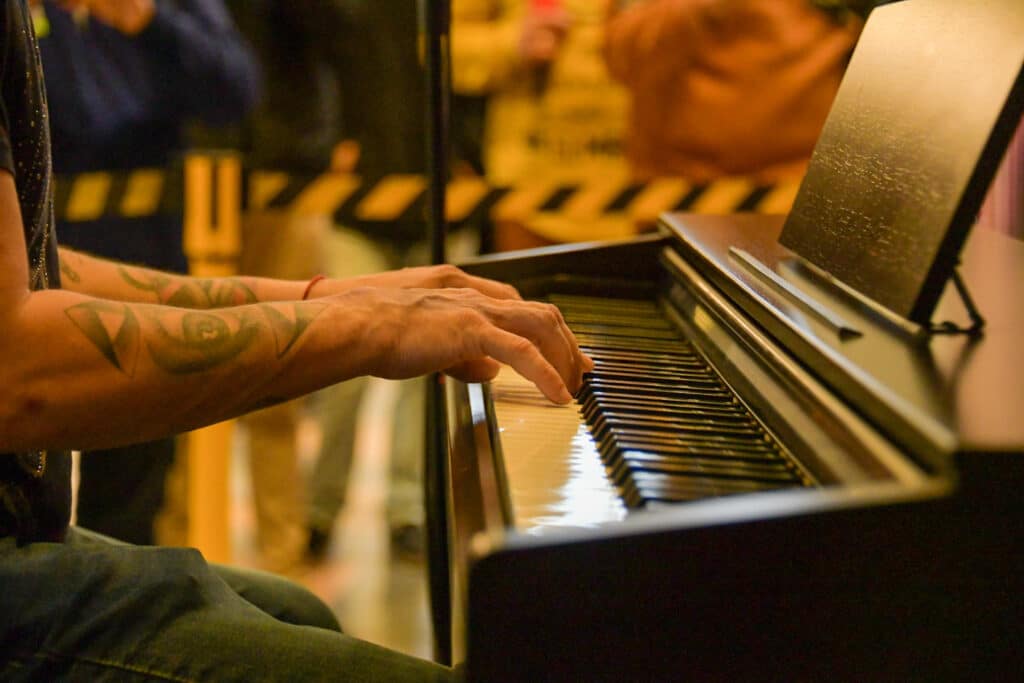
point(434, 23)
point(977, 321)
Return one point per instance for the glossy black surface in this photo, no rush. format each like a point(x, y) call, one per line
point(917, 130)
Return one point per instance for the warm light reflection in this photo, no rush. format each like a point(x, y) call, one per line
point(556, 478)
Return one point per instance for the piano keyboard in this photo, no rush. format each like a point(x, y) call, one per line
point(667, 428)
point(653, 424)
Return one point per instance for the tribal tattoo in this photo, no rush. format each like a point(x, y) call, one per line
point(185, 343)
point(193, 293)
point(202, 341)
point(67, 272)
point(113, 329)
point(288, 328)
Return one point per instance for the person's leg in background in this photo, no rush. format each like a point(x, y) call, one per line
point(337, 410)
point(281, 245)
point(134, 476)
point(347, 253)
point(405, 508)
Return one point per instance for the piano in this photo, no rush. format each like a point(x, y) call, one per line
point(801, 451)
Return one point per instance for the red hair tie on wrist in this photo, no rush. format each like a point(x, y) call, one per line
point(309, 286)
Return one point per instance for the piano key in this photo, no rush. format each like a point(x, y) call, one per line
point(630, 462)
point(709, 392)
point(590, 343)
point(608, 331)
point(608, 446)
point(678, 355)
point(608, 422)
point(591, 409)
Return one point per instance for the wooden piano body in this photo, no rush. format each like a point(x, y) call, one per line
point(862, 521)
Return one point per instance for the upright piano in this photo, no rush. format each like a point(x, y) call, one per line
point(800, 455)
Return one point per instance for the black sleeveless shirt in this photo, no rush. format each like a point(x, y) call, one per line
point(35, 486)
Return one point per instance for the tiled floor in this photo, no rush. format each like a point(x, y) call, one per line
point(376, 597)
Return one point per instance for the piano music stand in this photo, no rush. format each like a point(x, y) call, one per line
point(926, 109)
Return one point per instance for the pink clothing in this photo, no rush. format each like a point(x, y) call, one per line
point(726, 87)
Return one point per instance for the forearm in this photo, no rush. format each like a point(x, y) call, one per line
point(95, 373)
point(89, 275)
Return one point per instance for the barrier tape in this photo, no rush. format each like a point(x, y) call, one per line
point(351, 199)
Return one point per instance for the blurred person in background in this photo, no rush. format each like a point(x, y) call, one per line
point(123, 78)
point(360, 109)
point(296, 128)
point(384, 106)
point(553, 113)
point(728, 88)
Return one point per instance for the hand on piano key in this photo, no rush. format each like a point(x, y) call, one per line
point(424, 277)
point(417, 323)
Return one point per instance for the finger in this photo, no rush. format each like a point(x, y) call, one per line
point(543, 325)
point(526, 359)
point(492, 288)
point(558, 343)
point(583, 362)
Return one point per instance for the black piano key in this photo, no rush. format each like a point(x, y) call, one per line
point(591, 409)
point(678, 356)
point(654, 378)
point(640, 370)
point(705, 386)
point(589, 343)
point(682, 444)
point(607, 423)
point(665, 424)
point(630, 462)
point(606, 331)
point(655, 488)
point(692, 449)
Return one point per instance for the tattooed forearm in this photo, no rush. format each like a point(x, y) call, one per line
point(190, 292)
point(185, 342)
point(290, 324)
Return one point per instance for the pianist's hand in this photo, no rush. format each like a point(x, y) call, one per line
point(422, 277)
point(411, 332)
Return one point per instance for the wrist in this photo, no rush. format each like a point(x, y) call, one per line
point(307, 293)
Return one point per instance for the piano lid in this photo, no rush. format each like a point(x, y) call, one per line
point(925, 111)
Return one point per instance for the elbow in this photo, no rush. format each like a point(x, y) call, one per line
point(24, 416)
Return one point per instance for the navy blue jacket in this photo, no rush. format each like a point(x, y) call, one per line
point(119, 102)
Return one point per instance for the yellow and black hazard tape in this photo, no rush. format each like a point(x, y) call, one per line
point(350, 199)
point(403, 197)
point(127, 194)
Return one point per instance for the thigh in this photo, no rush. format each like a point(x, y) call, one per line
point(90, 610)
point(277, 596)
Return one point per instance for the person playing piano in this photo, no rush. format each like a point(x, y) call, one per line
point(105, 360)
